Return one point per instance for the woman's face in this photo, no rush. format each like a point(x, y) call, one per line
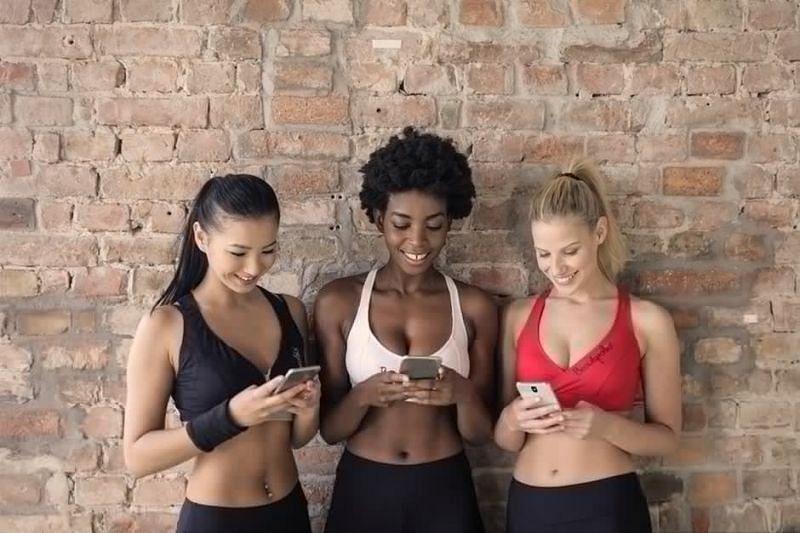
point(240, 250)
point(414, 227)
point(566, 250)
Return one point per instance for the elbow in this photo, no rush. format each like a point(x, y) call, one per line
point(674, 442)
point(329, 436)
point(134, 464)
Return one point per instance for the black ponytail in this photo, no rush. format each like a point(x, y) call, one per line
point(234, 195)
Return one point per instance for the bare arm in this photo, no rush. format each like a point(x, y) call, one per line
point(306, 422)
point(147, 446)
point(474, 417)
point(505, 435)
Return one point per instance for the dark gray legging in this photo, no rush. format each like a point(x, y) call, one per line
point(434, 497)
point(287, 515)
point(611, 505)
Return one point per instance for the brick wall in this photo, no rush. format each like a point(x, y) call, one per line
point(112, 112)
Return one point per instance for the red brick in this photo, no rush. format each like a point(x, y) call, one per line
point(155, 182)
point(677, 282)
point(301, 180)
point(458, 51)
point(481, 13)
point(598, 79)
point(375, 77)
point(101, 281)
point(497, 279)
point(122, 40)
point(490, 78)
point(774, 213)
point(102, 423)
point(775, 351)
point(43, 110)
point(739, 47)
point(55, 215)
point(20, 424)
point(152, 75)
point(303, 42)
point(430, 79)
point(545, 79)
point(717, 350)
point(15, 143)
point(147, 10)
point(236, 112)
point(711, 80)
point(704, 15)
point(549, 148)
point(33, 249)
point(80, 355)
point(260, 11)
point(612, 148)
point(717, 145)
point(68, 42)
point(491, 146)
point(395, 111)
point(689, 244)
point(210, 78)
point(771, 15)
point(766, 77)
point(97, 145)
point(119, 522)
point(316, 78)
point(595, 115)
point(20, 489)
point(693, 181)
point(17, 76)
point(46, 147)
point(43, 322)
point(508, 113)
point(158, 217)
point(467, 248)
point(138, 146)
point(712, 488)
point(649, 214)
point(385, 12)
point(159, 492)
point(17, 214)
point(773, 281)
point(771, 148)
point(150, 282)
point(100, 491)
point(543, 13)
point(328, 10)
point(203, 145)
point(234, 44)
point(787, 45)
point(747, 247)
point(173, 111)
point(97, 75)
point(599, 11)
point(655, 79)
point(143, 249)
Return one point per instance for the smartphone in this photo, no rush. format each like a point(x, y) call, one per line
point(541, 389)
point(420, 366)
point(296, 376)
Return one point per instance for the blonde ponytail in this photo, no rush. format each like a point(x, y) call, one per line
point(579, 192)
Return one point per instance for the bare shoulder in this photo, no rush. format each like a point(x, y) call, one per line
point(296, 307)
point(161, 322)
point(159, 332)
point(517, 309)
point(340, 296)
point(475, 299)
point(650, 317)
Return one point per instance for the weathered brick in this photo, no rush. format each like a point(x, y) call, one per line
point(97, 75)
point(160, 182)
point(150, 249)
point(18, 283)
point(174, 111)
point(33, 249)
point(260, 11)
point(328, 10)
point(43, 110)
point(704, 15)
point(771, 15)
point(20, 489)
point(599, 79)
point(752, 181)
point(774, 213)
point(551, 148)
point(430, 79)
point(765, 77)
point(712, 488)
point(200, 12)
point(599, 11)
point(137, 146)
point(46, 147)
point(15, 143)
point(58, 181)
point(787, 45)
point(489, 78)
point(300, 180)
point(17, 214)
point(645, 47)
point(543, 13)
point(150, 281)
point(54, 215)
point(303, 42)
point(79, 355)
point(97, 145)
point(146, 10)
point(689, 244)
point(704, 79)
point(204, 78)
point(203, 145)
point(102, 422)
point(395, 111)
point(375, 77)
point(234, 44)
point(717, 350)
point(693, 181)
point(765, 414)
point(513, 114)
point(481, 13)
point(68, 42)
point(747, 247)
point(740, 47)
point(655, 79)
point(316, 78)
point(158, 217)
point(101, 281)
point(88, 10)
point(676, 282)
point(767, 148)
point(17, 76)
point(767, 483)
point(122, 40)
point(612, 148)
point(152, 75)
point(776, 350)
point(30, 423)
point(315, 110)
point(595, 115)
point(43, 322)
point(717, 145)
point(385, 12)
point(236, 112)
point(100, 491)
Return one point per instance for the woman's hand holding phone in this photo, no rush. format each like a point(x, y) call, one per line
point(256, 404)
point(307, 400)
point(527, 414)
point(445, 390)
point(382, 389)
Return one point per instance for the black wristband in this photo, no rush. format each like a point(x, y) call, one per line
point(212, 428)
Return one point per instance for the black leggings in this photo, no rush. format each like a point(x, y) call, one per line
point(611, 505)
point(372, 497)
point(287, 515)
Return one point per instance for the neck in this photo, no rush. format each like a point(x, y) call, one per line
point(213, 292)
point(404, 283)
point(595, 287)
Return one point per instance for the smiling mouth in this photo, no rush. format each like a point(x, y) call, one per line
point(564, 279)
point(415, 258)
point(245, 279)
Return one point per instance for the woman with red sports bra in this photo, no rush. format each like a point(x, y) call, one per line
point(597, 347)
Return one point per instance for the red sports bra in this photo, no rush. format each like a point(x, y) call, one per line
point(608, 376)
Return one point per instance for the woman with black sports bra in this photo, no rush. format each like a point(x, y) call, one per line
point(404, 468)
point(597, 347)
point(219, 345)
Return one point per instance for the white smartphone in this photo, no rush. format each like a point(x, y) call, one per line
point(296, 376)
point(541, 389)
point(420, 366)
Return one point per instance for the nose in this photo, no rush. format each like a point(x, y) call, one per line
point(558, 264)
point(419, 236)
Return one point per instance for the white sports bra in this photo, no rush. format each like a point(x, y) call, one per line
point(366, 356)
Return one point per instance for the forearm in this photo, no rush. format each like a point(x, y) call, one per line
point(637, 438)
point(506, 437)
point(304, 427)
point(474, 420)
point(159, 450)
point(342, 420)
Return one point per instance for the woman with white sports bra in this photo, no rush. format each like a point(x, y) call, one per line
point(404, 468)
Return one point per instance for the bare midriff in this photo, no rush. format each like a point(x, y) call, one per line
point(254, 468)
point(555, 459)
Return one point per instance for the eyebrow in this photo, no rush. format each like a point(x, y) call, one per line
point(563, 247)
point(403, 215)
point(243, 247)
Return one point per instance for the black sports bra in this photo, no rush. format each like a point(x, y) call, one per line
point(210, 371)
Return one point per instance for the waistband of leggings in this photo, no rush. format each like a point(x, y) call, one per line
point(616, 482)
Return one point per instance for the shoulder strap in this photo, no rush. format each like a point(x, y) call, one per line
point(291, 339)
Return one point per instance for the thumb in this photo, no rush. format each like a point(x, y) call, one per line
point(584, 405)
point(270, 386)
